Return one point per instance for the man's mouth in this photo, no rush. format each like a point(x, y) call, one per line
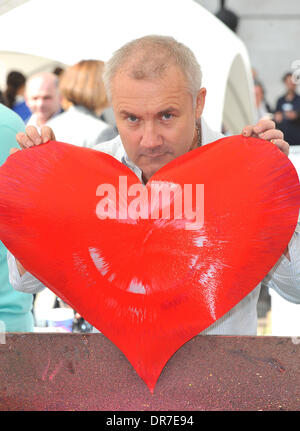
point(155, 155)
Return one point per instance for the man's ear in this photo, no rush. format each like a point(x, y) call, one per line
point(200, 102)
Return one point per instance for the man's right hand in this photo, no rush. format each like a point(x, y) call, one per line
point(31, 137)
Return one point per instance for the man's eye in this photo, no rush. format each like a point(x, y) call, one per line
point(166, 116)
point(132, 119)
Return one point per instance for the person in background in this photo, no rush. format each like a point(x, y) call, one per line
point(58, 71)
point(15, 307)
point(83, 100)
point(14, 94)
point(43, 98)
point(2, 98)
point(287, 112)
point(262, 107)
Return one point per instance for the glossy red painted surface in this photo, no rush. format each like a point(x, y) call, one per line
point(149, 284)
point(88, 372)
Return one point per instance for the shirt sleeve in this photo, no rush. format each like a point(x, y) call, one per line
point(284, 277)
point(26, 283)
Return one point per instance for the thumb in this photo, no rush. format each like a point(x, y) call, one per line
point(14, 150)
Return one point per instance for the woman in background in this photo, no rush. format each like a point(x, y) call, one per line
point(83, 100)
point(14, 94)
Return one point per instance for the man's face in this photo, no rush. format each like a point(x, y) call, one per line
point(43, 99)
point(290, 84)
point(155, 118)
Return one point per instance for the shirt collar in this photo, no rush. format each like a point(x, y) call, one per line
point(126, 161)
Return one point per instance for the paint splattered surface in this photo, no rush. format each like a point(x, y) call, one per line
point(87, 372)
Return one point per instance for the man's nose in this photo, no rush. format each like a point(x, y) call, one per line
point(39, 103)
point(150, 137)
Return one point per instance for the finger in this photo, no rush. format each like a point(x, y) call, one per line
point(263, 126)
point(247, 131)
point(33, 135)
point(14, 150)
point(47, 134)
point(271, 134)
point(23, 140)
point(282, 145)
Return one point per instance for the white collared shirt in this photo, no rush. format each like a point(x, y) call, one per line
point(33, 120)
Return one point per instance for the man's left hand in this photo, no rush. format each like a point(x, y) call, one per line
point(265, 129)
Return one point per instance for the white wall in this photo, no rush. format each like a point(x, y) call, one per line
point(270, 30)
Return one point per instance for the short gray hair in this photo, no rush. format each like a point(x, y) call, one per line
point(148, 57)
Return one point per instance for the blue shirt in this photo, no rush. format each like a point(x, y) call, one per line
point(22, 110)
point(15, 307)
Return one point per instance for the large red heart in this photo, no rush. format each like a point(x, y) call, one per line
point(149, 285)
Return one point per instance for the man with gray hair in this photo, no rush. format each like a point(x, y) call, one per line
point(43, 98)
point(154, 84)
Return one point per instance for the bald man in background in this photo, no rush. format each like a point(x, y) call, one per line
point(43, 98)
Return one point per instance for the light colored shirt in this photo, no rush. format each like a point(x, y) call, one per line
point(33, 120)
point(79, 126)
point(241, 319)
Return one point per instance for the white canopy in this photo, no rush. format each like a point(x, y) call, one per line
point(71, 30)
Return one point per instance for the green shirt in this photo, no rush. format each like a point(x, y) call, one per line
point(15, 307)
